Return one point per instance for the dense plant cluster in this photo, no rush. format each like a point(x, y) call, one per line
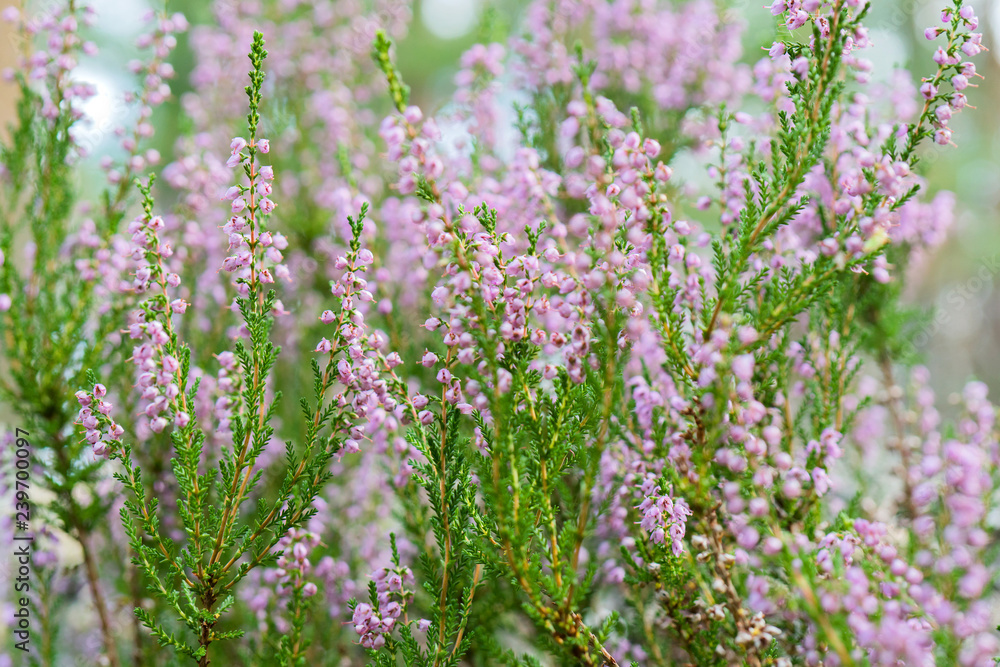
point(601, 362)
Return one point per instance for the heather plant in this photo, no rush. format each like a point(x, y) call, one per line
point(60, 264)
point(602, 362)
point(198, 581)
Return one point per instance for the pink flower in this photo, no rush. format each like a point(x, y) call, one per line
point(413, 115)
point(170, 364)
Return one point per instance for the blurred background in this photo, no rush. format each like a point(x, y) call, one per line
point(956, 286)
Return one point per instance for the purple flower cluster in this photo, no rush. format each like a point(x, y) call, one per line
point(962, 40)
point(394, 588)
point(101, 431)
point(54, 60)
point(291, 574)
point(250, 203)
point(159, 377)
point(365, 394)
point(153, 73)
point(663, 516)
point(681, 56)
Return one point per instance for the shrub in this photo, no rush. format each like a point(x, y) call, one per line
point(607, 362)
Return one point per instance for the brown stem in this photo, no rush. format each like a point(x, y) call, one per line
point(204, 641)
point(894, 404)
point(93, 580)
